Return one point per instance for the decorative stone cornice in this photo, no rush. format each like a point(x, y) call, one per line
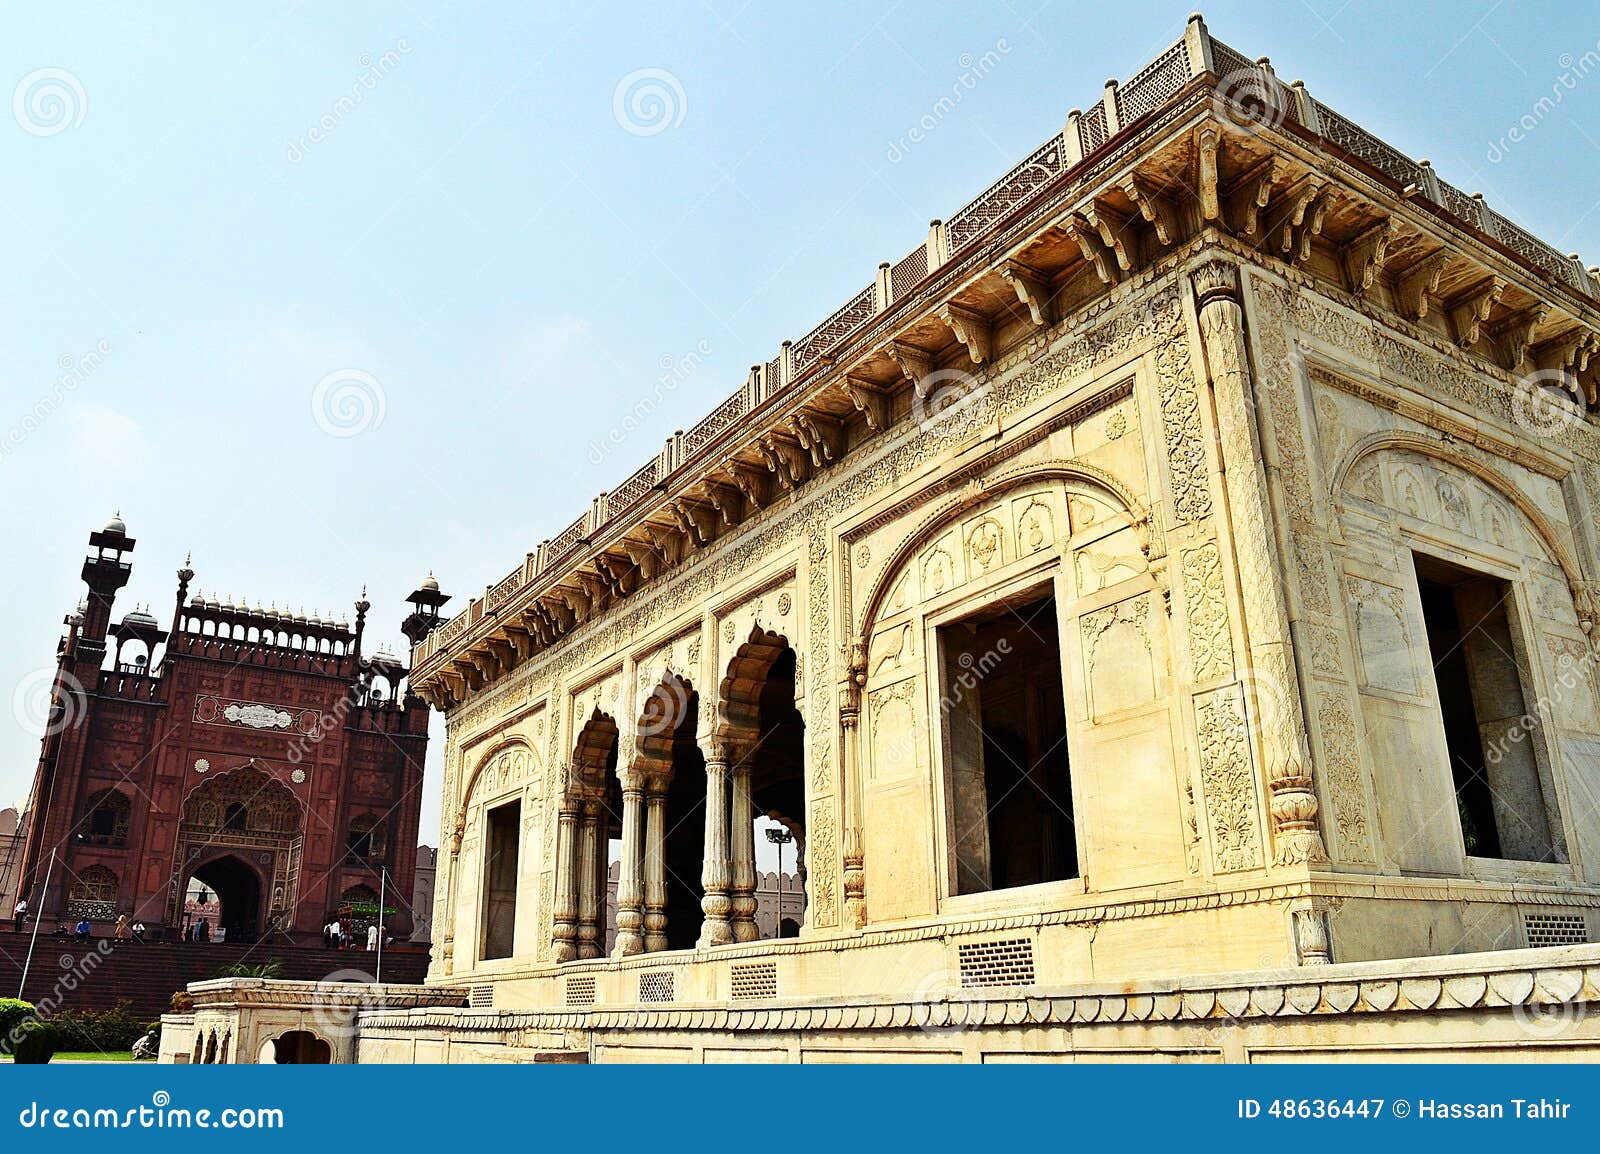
point(1568, 975)
point(1104, 187)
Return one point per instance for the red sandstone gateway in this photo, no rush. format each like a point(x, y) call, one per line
point(256, 752)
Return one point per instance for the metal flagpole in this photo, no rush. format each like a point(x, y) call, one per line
point(383, 877)
point(35, 938)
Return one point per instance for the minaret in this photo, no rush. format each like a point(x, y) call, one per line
point(185, 575)
point(361, 620)
point(105, 572)
point(424, 618)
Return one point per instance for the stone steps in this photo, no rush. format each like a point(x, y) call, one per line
point(149, 974)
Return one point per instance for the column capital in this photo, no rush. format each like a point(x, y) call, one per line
point(1215, 280)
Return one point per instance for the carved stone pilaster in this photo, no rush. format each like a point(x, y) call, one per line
point(566, 911)
point(590, 895)
point(716, 929)
point(655, 868)
point(630, 892)
point(855, 873)
point(742, 887)
point(1271, 683)
point(1312, 941)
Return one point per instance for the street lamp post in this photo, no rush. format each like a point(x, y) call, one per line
point(779, 836)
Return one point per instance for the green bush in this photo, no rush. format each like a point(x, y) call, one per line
point(104, 1030)
point(13, 1013)
point(36, 1043)
point(272, 969)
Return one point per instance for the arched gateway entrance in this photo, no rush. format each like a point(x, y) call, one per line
point(241, 834)
point(238, 892)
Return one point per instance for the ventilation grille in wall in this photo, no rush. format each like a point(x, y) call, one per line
point(1007, 963)
point(580, 990)
point(1554, 930)
point(480, 997)
point(655, 986)
point(755, 980)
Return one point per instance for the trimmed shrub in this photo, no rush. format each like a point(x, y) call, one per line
point(36, 1043)
point(108, 1031)
point(13, 1013)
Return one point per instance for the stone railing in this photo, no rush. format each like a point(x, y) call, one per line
point(1197, 54)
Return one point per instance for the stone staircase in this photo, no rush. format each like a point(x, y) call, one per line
point(149, 974)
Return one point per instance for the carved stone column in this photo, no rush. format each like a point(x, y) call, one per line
point(1273, 681)
point(566, 912)
point(630, 891)
point(742, 891)
point(589, 897)
point(655, 867)
point(716, 930)
point(855, 873)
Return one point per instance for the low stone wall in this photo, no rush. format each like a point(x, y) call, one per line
point(1505, 1006)
point(245, 1020)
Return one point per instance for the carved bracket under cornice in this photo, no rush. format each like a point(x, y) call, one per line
point(971, 328)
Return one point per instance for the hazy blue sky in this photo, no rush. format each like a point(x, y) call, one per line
point(482, 249)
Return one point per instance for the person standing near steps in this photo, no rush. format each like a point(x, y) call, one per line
point(19, 915)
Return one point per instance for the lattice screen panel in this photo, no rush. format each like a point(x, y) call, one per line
point(481, 997)
point(755, 980)
point(580, 990)
point(1554, 930)
point(656, 986)
point(1003, 963)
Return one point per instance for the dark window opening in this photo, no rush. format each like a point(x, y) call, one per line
point(1007, 767)
point(1480, 672)
point(234, 816)
point(500, 880)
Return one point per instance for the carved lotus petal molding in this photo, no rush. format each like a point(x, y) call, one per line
point(1268, 1000)
point(1303, 999)
point(1511, 989)
point(1466, 990)
point(1234, 1003)
point(1421, 992)
point(1558, 985)
point(1380, 996)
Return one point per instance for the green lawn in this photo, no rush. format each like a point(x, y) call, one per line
point(87, 1056)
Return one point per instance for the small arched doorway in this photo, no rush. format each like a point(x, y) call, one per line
point(299, 1048)
point(238, 892)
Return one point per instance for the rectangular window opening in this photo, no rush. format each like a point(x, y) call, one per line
point(1007, 769)
point(500, 879)
point(1481, 673)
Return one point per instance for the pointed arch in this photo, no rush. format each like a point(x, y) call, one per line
point(483, 763)
point(1099, 483)
point(739, 695)
point(1451, 454)
point(671, 706)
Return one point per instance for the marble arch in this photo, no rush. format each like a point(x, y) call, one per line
point(1094, 482)
point(1430, 447)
